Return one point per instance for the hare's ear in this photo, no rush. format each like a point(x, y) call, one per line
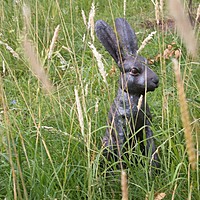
point(127, 37)
point(107, 37)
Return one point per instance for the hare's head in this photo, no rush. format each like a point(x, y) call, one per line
point(136, 77)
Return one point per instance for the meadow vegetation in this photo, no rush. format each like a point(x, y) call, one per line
point(50, 132)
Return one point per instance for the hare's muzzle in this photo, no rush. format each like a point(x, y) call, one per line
point(153, 82)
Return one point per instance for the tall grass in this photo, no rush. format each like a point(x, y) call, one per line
point(51, 143)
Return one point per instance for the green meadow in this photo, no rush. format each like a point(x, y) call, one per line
point(52, 124)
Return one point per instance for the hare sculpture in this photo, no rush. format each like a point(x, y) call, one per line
point(129, 116)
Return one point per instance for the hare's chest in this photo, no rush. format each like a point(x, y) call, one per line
point(131, 113)
point(134, 113)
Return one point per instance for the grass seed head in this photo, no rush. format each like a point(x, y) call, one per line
point(84, 17)
point(140, 102)
point(185, 115)
point(146, 40)
point(124, 185)
point(157, 12)
point(98, 57)
point(91, 21)
point(183, 23)
point(80, 113)
point(55, 36)
point(198, 13)
point(36, 66)
point(10, 49)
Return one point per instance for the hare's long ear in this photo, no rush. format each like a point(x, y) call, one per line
point(127, 37)
point(107, 37)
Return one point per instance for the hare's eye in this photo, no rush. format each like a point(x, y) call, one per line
point(134, 72)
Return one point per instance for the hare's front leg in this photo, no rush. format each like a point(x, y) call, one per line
point(151, 148)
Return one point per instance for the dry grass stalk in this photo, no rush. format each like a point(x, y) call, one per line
point(161, 5)
point(160, 196)
point(3, 68)
point(91, 21)
point(84, 17)
point(157, 12)
point(124, 8)
point(97, 106)
point(36, 66)
point(10, 49)
point(83, 38)
point(146, 40)
point(185, 115)
point(27, 16)
point(86, 89)
point(198, 13)
point(140, 102)
point(68, 49)
point(63, 62)
point(184, 26)
point(174, 191)
point(124, 185)
point(31, 55)
point(80, 113)
point(55, 36)
point(98, 57)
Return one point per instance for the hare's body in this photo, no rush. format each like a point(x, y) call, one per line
point(125, 119)
point(129, 118)
point(127, 124)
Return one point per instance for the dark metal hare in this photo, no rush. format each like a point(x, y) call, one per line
point(129, 123)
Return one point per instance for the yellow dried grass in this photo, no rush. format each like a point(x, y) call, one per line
point(80, 113)
point(183, 25)
point(124, 185)
point(10, 49)
point(36, 66)
point(31, 55)
point(98, 57)
point(198, 14)
point(52, 45)
point(185, 115)
point(146, 41)
point(91, 21)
